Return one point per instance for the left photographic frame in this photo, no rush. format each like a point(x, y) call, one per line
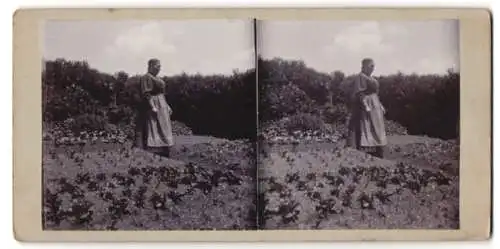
point(136, 134)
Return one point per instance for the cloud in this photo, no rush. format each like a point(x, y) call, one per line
point(354, 41)
point(366, 37)
point(146, 40)
point(226, 63)
point(206, 47)
point(407, 46)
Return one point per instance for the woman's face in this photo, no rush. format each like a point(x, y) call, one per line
point(369, 68)
point(155, 68)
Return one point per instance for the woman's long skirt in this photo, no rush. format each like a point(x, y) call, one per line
point(372, 127)
point(158, 126)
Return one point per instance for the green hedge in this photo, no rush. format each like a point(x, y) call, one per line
point(424, 104)
point(225, 106)
point(216, 105)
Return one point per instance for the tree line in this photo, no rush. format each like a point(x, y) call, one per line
point(226, 105)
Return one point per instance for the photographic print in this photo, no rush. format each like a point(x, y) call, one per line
point(359, 124)
point(245, 125)
point(149, 125)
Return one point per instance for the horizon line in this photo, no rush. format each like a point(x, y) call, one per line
point(243, 71)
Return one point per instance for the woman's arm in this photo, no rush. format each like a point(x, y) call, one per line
point(361, 87)
point(151, 103)
point(163, 89)
point(146, 88)
point(370, 85)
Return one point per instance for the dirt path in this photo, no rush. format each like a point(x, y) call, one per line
point(180, 141)
point(191, 140)
point(396, 140)
point(401, 148)
point(409, 139)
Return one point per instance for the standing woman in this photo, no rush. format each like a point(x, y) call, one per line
point(155, 126)
point(366, 124)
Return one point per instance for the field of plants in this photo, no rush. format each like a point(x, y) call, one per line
point(206, 185)
point(94, 179)
point(309, 180)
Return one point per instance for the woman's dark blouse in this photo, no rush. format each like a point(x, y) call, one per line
point(150, 86)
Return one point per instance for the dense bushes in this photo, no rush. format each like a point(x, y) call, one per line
point(303, 122)
point(218, 105)
point(424, 104)
point(89, 122)
point(427, 104)
point(288, 87)
point(335, 114)
point(225, 106)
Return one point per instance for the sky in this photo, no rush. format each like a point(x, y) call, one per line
point(407, 46)
point(221, 46)
point(191, 46)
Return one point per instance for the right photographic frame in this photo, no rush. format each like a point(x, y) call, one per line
point(359, 124)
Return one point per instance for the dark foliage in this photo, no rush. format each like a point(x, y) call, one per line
point(225, 106)
point(424, 104)
point(217, 105)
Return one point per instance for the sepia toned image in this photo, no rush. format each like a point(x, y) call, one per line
point(251, 125)
point(359, 124)
point(136, 134)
